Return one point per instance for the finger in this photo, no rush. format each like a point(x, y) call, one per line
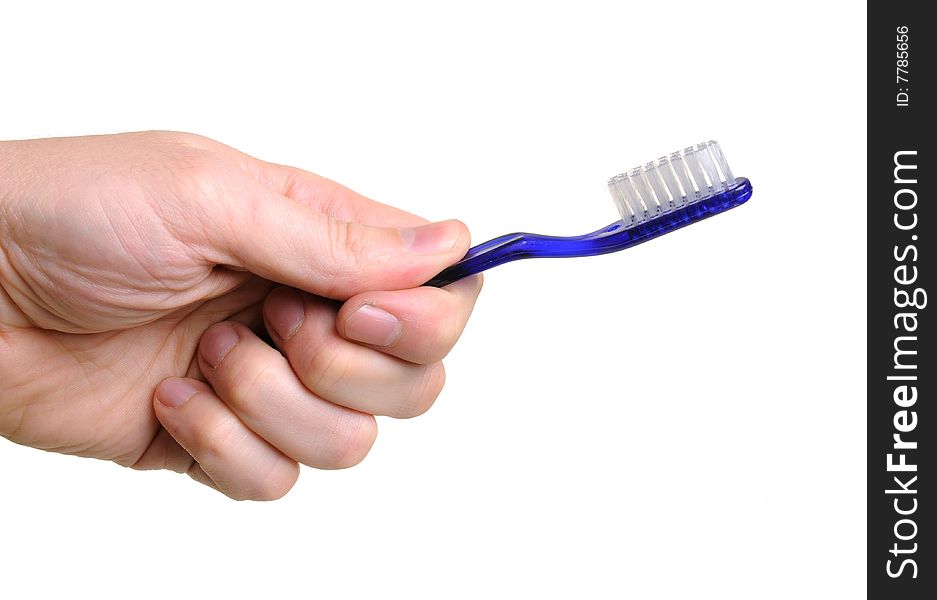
point(343, 372)
point(257, 383)
point(420, 325)
point(287, 241)
point(230, 456)
point(252, 318)
point(164, 452)
point(319, 193)
point(334, 199)
point(242, 305)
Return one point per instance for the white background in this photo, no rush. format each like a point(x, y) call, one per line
point(682, 420)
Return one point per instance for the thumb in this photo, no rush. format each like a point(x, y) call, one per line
point(286, 241)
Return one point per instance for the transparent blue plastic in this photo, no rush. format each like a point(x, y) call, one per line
point(613, 238)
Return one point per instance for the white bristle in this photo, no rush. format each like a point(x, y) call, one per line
point(677, 198)
point(679, 167)
point(670, 182)
point(721, 162)
point(651, 208)
point(709, 167)
point(657, 186)
point(696, 171)
point(615, 186)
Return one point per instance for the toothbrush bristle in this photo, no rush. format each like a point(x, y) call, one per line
point(670, 182)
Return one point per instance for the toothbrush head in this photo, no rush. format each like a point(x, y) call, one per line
point(682, 179)
point(662, 196)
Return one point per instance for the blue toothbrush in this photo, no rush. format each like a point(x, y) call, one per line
point(655, 199)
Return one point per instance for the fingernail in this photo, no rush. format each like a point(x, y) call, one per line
point(174, 392)
point(216, 343)
point(435, 238)
point(372, 325)
point(284, 311)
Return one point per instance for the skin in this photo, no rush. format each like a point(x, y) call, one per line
point(142, 276)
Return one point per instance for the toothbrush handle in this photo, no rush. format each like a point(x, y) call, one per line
point(612, 238)
point(514, 246)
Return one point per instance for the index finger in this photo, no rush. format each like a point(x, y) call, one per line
point(419, 325)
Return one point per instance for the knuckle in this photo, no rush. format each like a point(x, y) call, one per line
point(194, 171)
point(326, 369)
point(256, 390)
point(275, 484)
point(336, 236)
point(441, 339)
point(179, 138)
point(349, 441)
point(191, 157)
point(356, 239)
point(451, 332)
point(203, 176)
point(189, 140)
point(423, 392)
point(201, 181)
point(214, 441)
point(197, 473)
point(346, 243)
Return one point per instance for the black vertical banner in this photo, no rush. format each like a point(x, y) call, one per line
point(902, 371)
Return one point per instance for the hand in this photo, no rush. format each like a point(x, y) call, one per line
point(138, 272)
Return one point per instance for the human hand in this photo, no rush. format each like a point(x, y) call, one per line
point(135, 279)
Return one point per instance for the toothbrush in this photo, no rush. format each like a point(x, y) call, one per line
point(662, 196)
